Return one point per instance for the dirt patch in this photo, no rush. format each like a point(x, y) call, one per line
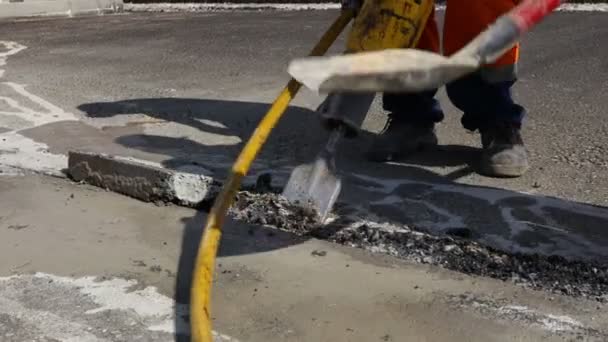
point(273, 210)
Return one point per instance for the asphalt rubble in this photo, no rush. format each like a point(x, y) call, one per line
point(454, 250)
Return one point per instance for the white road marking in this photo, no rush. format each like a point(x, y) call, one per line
point(54, 326)
point(548, 322)
point(21, 153)
point(155, 310)
point(10, 48)
point(552, 323)
point(52, 113)
point(85, 309)
point(18, 152)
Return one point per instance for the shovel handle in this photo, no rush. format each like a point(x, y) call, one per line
point(501, 36)
point(531, 12)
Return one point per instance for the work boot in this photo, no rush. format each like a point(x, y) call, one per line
point(504, 154)
point(401, 138)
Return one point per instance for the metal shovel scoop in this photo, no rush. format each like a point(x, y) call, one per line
point(316, 185)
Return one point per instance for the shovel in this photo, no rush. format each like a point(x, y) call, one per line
point(316, 185)
point(411, 70)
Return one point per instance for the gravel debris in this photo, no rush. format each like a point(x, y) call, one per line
point(555, 274)
point(270, 209)
point(454, 250)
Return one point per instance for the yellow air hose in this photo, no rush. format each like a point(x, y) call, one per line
point(200, 311)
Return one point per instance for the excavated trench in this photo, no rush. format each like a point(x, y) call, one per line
point(454, 250)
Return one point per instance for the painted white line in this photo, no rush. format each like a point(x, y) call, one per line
point(8, 49)
point(552, 323)
point(205, 7)
point(84, 309)
point(53, 113)
point(14, 104)
point(18, 152)
point(49, 324)
point(548, 322)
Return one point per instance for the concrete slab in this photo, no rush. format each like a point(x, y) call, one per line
point(146, 181)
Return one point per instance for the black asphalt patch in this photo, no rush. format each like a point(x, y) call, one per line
point(552, 273)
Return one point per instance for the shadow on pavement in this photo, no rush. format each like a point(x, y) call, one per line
point(221, 129)
point(237, 239)
point(296, 138)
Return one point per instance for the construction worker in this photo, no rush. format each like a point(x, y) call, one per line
point(484, 97)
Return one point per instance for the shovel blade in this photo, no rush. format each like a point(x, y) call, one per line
point(392, 70)
point(314, 186)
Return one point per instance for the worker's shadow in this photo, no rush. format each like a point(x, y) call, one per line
point(222, 127)
point(237, 239)
point(211, 132)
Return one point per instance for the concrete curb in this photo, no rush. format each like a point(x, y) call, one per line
point(47, 8)
point(146, 181)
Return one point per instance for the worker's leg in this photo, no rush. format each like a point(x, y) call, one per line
point(485, 97)
point(411, 115)
point(418, 107)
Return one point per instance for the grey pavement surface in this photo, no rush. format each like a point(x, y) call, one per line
point(101, 277)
